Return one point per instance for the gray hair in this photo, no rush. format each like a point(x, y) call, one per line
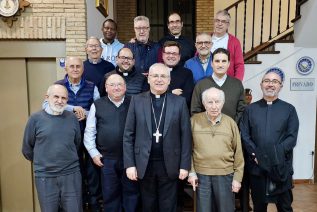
point(92, 38)
point(159, 66)
point(204, 34)
point(225, 13)
point(141, 18)
point(213, 89)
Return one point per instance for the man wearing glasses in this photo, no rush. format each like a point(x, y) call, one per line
point(200, 65)
point(95, 67)
point(269, 129)
point(103, 141)
point(175, 26)
point(135, 81)
point(222, 39)
point(182, 82)
point(157, 142)
point(145, 51)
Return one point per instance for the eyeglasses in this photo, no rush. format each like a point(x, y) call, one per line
point(218, 21)
point(125, 58)
point(274, 82)
point(200, 43)
point(157, 76)
point(171, 53)
point(141, 28)
point(113, 85)
point(96, 46)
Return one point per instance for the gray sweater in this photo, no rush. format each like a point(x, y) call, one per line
point(51, 143)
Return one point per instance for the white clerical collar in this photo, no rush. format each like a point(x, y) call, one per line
point(117, 104)
point(157, 96)
point(170, 68)
point(218, 80)
point(95, 62)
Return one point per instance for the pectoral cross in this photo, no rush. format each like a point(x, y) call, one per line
point(157, 135)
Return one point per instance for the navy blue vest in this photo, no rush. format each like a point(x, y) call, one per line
point(84, 97)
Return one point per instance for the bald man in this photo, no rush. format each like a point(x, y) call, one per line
point(103, 140)
point(51, 141)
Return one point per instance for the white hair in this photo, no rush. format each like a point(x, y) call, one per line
point(220, 93)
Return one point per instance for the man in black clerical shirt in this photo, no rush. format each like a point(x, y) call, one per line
point(175, 26)
point(135, 81)
point(182, 82)
point(269, 129)
point(157, 142)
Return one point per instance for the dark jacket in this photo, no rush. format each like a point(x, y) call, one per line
point(138, 134)
point(145, 55)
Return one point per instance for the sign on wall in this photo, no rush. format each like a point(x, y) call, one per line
point(302, 84)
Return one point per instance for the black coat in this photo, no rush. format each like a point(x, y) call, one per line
point(177, 137)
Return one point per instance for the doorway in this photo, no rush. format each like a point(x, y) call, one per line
point(23, 84)
point(157, 11)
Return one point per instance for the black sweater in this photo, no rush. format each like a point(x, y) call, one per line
point(110, 127)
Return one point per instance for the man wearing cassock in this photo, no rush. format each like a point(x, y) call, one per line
point(269, 129)
point(157, 142)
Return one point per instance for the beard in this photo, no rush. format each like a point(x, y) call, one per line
point(57, 109)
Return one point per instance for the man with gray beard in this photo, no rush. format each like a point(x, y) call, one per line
point(51, 141)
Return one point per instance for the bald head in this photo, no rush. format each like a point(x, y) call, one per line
point(115, 87)
point(74, 69)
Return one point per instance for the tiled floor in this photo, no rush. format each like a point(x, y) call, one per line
point(305, 198)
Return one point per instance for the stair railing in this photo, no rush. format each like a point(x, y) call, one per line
point(256, 22)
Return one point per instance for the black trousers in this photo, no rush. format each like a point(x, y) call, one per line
point(158, 191)
point(258, 189)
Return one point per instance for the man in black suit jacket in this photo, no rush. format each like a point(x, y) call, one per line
point(157, 142)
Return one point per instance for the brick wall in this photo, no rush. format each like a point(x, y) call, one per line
point(51, 20)
point(204, 15)
point(126, 10)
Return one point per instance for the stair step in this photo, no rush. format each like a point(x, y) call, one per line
point(269, 52)
point(253, 62)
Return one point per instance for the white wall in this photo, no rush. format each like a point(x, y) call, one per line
point(95, 18)
point(304, 101)
point(305, 28)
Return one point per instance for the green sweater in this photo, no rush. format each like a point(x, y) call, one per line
point(216, 148)
point(234, 95)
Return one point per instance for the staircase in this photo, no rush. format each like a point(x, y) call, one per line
point(264, 24)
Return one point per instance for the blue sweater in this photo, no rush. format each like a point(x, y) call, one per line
point(198, 71)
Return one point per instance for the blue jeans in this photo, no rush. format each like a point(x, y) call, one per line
point(118, 191)
point(214, 193)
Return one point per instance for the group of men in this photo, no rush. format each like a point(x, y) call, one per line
point(122, 118)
